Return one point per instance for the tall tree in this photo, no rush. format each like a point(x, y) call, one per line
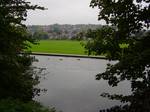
point(17, 77)
point(129, 41)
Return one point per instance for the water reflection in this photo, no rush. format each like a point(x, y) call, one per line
point(71, 84)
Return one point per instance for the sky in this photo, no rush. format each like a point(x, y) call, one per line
point(63, 12)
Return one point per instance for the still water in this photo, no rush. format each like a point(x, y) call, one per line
point(71, 84)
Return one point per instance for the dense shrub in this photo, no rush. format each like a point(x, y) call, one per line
point(10, 105)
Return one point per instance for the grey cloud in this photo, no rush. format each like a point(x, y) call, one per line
point(63, 12)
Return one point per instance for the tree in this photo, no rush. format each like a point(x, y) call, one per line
point(79, 36)
point(130, 47)
point(40, 35)
point(17, 76)
point(14, 105)
point(101, 42)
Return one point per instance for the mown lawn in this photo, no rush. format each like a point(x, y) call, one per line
point(58, 46)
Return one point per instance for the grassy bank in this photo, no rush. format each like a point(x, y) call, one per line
point(58, 46)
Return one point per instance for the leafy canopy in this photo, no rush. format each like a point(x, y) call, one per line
point(127, 40)
point(12, 105)
point(17, 77)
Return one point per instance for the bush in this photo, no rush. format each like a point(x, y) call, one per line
point(11, 105)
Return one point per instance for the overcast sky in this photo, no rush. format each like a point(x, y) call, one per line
point(63, 12)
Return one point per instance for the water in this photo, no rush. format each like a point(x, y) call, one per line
point(71, 84)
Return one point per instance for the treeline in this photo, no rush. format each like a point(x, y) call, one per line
point(18, 77)
point(61, 32)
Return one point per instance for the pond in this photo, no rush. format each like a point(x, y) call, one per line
point(71, 84)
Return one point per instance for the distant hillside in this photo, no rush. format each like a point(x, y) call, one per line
point(57, 31)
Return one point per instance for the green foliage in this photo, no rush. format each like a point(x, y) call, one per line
point(40, 35)
point(129, 16)
point(101, 41)
point(11, 105)
point(131, 19)
point(17, 77)
point(79, 36)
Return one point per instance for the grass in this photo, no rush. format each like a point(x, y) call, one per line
point(58, 46)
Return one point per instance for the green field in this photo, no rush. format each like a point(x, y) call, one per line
point(58, 46)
